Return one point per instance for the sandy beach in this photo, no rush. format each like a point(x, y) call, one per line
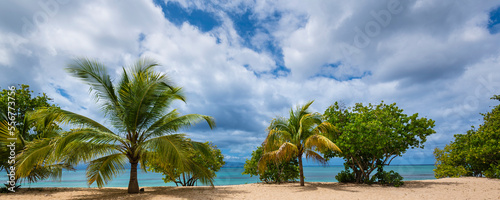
point(447, 188)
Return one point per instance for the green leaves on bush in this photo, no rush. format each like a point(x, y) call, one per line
point(187, 177)
point(476, 153)
point(345, 176)
point(371, 136)
point(389, 178)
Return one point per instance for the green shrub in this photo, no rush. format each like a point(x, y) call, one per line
point(345, 176)
point(391, 178)
point(476, 153)
point(372, 135)
point(493, 171)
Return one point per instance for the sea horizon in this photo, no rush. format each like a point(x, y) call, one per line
point(228, 175)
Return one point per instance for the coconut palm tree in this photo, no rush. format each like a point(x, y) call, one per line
point(142, 127)
point(16, 138)
point(290, 138)
point(45, 132)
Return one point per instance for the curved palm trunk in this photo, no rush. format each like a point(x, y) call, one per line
point(133, 184)
point(301, 171)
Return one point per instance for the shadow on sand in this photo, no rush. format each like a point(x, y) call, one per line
point(219, 192)
point(331, 186)
point(149, 193)
point(428, 184)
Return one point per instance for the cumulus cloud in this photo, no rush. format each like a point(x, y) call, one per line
point(262, 58)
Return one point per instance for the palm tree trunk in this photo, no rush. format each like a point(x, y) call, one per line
point(301, 171)
point(133, 184)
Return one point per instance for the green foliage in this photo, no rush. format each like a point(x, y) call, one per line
point(187, 176)
point(447, 165)
point(476, 153)
point(345, 176)
point(18, 106)
point(303, 133)
point(493, 171)
point(371, 136)
point(389, 178)
point(286, 171)
point(24, 102)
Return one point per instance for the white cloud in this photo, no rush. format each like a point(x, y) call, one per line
point(434, 58)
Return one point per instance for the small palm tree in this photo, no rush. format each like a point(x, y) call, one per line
point(46, 131)
point(143, 130)
point(23, 135)
point(302, 133)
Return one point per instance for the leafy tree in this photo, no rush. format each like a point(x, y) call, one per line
point(290, 138)
point(286, 171)
point(476, 153)
point(143, 131)
point(22, 102)
point(186, 177)
point(371, 136)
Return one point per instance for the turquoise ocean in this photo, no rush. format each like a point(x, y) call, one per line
point(228, 176)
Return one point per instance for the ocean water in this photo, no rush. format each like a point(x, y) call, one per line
point(228, 176)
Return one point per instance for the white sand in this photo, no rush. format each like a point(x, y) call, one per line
point(448, 188)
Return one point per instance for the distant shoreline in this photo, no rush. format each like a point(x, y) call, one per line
point(226, 176)
point(446, 188)
point(81, 167)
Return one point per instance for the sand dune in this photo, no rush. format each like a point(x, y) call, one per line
point(448, 188)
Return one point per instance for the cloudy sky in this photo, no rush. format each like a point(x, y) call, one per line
point(245, 62)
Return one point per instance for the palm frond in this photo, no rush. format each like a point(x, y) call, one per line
point(36, 153)
point(101, 170)
point(285, 153)
point(202, 173)
point(87, 136)
point(276, 138)
point(161, 104)
point(89, 151)
point(171, 123)
point(315, 156)
point(42, 172)
point(96, 76)
point(142, 89)
point(52, 114)
point(320, 143)
point(5, 134)
point(172, 149)
point(326, 129)
point(202, 148)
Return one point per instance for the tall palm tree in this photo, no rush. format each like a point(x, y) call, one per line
point(142, 129)
point(290, 138)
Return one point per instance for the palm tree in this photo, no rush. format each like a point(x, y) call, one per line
point(45, 132)
point(23, 135)
point(302, 133)
point(142, 129)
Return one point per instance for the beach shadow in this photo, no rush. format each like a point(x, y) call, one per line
point(352, 187)
point(149, 193)
point(312, 186)
point(427, 184)
point(166, 192)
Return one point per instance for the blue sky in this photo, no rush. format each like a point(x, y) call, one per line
point(246, 62)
